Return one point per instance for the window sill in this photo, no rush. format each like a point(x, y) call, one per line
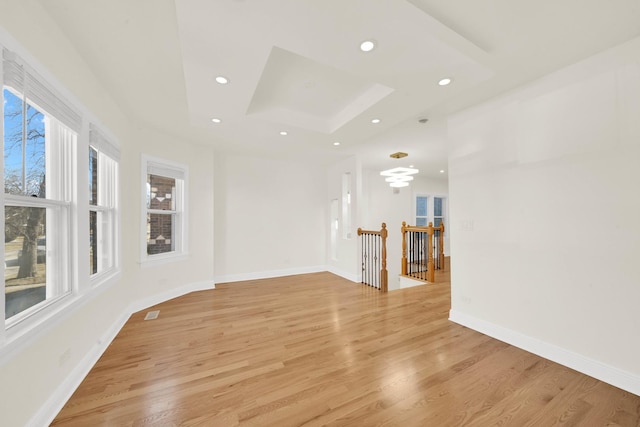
point(153, 260)
point(104, 277)
point(21, 335)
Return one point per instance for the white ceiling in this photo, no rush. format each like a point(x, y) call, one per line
point(294, 65)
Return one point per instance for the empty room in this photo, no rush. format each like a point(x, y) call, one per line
point(305, 212)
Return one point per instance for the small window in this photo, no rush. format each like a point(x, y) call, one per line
point(431, 209)
point(421, 211)
point(438, 211)
point(164, 219)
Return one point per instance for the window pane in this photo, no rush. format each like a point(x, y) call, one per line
point(161, 191)
point(25, 258)
point(160, 233)
point(93, 242)
point(24, 147)
point(93, 176)
point(437, 222)
point(12, 143)
point(421, 206)
point(35, 153)
point(421, 222)
point(437, 206)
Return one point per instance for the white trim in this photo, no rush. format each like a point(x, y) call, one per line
point(163, 258)
point(63, 392)
point(344, 274)
point(269, 274)
point(407, 282)
point(601, 371)
point(53, 405)
point(18, 340)
point(180, 173)
point(170, 294)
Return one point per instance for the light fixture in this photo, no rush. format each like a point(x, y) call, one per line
point(367, 45)
point(216, 120)
point(375, 121)
point(336, 143)
point(444, 82)
point(222, 80)
point(399, 177)
point(441, 170)
point(283, 133)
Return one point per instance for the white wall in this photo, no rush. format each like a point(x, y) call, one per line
point(345, 263)
point(38, 372)
point(544, 203)
point(270, 217)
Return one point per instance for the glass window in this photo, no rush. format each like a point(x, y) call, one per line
point(430, 209)
point(438, 211)
point(421, 206)
point(160, 225)
point(103, 184)
point(421, 211)
point(37, 148)
point(164, 204)
point(42, 182)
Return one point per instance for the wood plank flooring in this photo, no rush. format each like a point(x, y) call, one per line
point(318, 350)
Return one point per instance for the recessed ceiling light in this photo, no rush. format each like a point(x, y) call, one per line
point(444, 82)
point(336, 143)
point(283, 133)
point(216, 120)
point(410, 166)
point(441, 170)
point(367, 45)
point(222, 80)
point(375, 121)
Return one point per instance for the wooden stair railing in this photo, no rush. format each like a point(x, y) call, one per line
point(418, 247)
point(373, 249)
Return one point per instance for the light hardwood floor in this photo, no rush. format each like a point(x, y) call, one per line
point(317, 350)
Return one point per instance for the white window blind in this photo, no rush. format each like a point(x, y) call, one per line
point(100, 142)
point(164, 170)
point(25, 80)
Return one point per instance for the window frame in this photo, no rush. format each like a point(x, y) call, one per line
point(165, 168)
point(46, 93)
point(107, 204)
point(62, 127)
point(431, 217)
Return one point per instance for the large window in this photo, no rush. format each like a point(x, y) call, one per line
point(164, 218)
point(103, 184)
point(46, 202)
point(39, 139)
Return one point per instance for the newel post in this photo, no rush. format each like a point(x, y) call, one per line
point(384, 276)
point(441, 247)
point(431, 275)
point(403, 268)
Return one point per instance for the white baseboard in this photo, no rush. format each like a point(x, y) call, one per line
point(601, 371)
point(57, 400)
point(269, 274)
point(344, 274)
point(407, 282)
point(170, 294)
